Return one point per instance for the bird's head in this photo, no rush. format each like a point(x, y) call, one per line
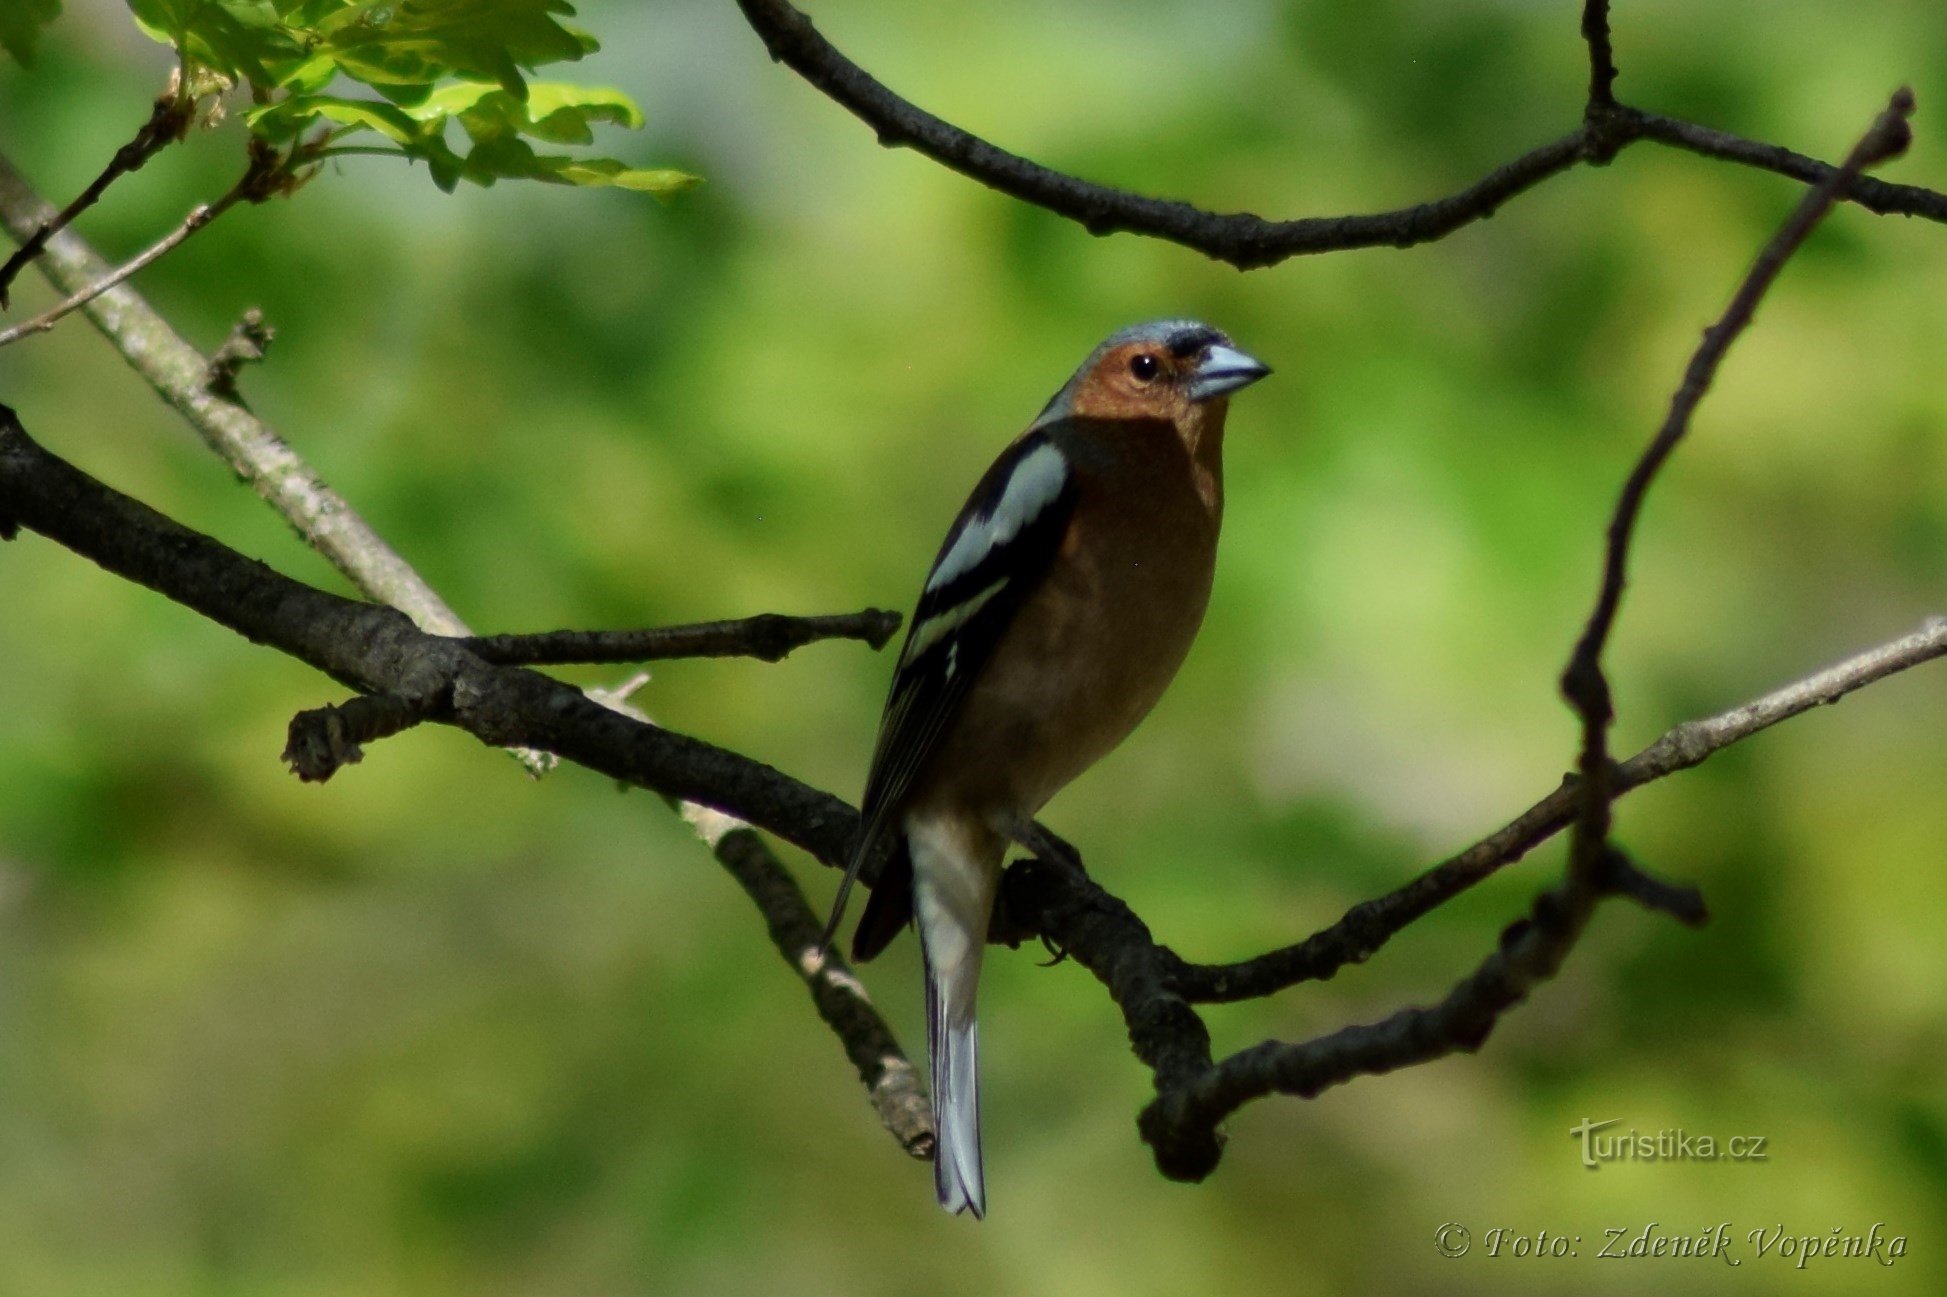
point(1178, 370)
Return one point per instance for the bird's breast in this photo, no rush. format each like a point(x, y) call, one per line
point(1091, 651)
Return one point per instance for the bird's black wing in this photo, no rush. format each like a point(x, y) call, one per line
point(995, 554)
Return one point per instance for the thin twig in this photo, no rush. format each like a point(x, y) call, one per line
point(1583, 682)
point(1880, 197)
point(769, 636)
point(248, 343)
point(168, 121)
point(891, 1081)
point(265, 175)
point(198, 217)
point(180, 375)
point(1602, 55)
point(324, 740)
point(1367, 926)
point(1621, 876)
point(1245, 240)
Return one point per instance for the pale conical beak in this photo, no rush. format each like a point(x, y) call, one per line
point(1223, 370)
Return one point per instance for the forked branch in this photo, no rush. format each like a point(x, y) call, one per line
point(1247, 241)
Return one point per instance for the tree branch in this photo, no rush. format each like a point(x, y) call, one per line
point(795, 930)
point(375, 651)
point(179, 373)
point(203, 391)
point(168, 121)
point(1194, 1095)
point(1602, 57)
point(248, 343)
point(251, 185)
point(1880, 197)
point(1366, 927)
point(1247, 241)
point(770, 637)
point(411, 675)
point(1583, 682)
point(324, 740)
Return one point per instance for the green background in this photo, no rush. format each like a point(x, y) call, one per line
point(433, 1028)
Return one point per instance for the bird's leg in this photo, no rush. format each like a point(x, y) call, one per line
point(1023, 831)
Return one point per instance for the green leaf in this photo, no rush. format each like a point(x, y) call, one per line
point(244, 40)
point(564, 113)
point(312, 75)
point(308, 13)
point(553, 111)
point(407, 94)
point(450, 99)
point(284, 119)
point(659, 182)
point(20, 25)
point(431, 63)
point(396, 42)
point(446, 168)
point(514, 159)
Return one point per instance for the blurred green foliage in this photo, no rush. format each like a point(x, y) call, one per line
point(21, 23)
point(434, 1029)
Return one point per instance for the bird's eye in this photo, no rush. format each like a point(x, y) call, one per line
point(1144, 367)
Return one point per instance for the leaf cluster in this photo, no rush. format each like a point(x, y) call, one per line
point(443, 82)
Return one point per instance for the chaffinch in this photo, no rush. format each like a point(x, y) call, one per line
point(1063, 600)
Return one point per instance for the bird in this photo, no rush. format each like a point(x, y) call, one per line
point(1059, 607)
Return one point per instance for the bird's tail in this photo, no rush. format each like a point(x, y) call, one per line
point(953, 1047)
point(955, 868)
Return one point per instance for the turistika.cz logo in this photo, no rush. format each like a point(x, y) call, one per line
point(1676, 1145)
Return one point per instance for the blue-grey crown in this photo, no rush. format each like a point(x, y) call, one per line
point(1180, 337)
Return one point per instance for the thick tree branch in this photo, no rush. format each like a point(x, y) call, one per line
point(203, 391)
point(1245, 240)
point(375, 651)
point(409, 675)
point(404, 675)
